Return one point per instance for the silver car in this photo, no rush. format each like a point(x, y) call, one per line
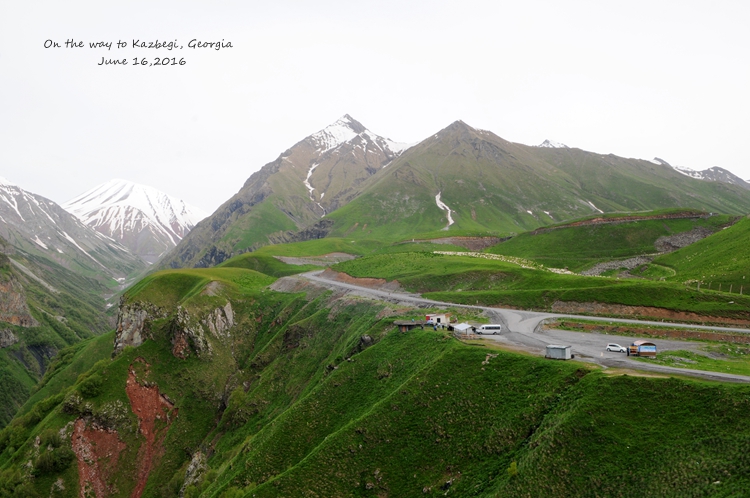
point(616, 348)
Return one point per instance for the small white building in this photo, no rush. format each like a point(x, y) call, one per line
point(556, 352)
point(438, 318)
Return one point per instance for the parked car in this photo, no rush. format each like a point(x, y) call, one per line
point(492, 328)
point(616, 348)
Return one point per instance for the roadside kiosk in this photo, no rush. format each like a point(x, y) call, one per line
point(642, 348)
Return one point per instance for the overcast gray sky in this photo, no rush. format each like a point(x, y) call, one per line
point(634, 78)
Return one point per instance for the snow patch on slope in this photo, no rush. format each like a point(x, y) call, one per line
point(444, 207)
point(550, 144)
point(594, 207)
point(39, 242)
point(310, 188)
point(689, 172)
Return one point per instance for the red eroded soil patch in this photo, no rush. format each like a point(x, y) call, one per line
point(669, 333)
point(97, 451)
point(470, 243)
point(621, 219)
point(155, 415)
point(370, 283)
point(573, 307)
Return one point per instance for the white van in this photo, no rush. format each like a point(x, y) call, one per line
point(491, 328)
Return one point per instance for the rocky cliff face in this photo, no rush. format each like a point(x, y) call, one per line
point(133, 322)
point(7, 338)
point(189, 333)
point(13, 307)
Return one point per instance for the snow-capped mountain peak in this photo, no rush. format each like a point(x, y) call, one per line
point(33, 223)
point(660, 161)
point(553, 145)
point(342, 130)
point(345, 129)
point(4, 181)
point(142, 218)
point(714, 174)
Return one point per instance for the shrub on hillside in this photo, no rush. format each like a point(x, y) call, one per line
point(54, 461)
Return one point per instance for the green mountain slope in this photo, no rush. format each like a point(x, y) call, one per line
point(720, 259)
point(44, 307)
point(315, 176)
point(578, 246)
point(346, 182)
point(492, 185)
point(507, 282)
point(237, 390)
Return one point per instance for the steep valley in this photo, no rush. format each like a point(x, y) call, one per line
point(223, 387)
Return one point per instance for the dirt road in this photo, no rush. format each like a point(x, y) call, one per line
point(526, 334)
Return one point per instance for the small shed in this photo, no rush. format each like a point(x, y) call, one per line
point(557, 352)
point(406, 325)
point(645, 348)
point(438, 318)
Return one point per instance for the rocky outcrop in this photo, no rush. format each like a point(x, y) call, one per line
point(133, 324)
point(189, 333)
point(627, 264)
point(194, 472)
point(671, 243)
point(365, 341)
point(13, 307)
point(213, 257)
point(7, 338)
point(319, 230)
point(220, 320)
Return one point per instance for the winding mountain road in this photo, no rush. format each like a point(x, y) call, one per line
point(525, 333)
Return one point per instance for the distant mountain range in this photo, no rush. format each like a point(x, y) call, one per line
point(346, 181)
point(146, 221)
point(38, 226)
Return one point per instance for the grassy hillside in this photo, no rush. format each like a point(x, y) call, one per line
point(720, 259)
point(494, 186)
point(639, 185)
point(578, 247)
point(325, 397)
point(67, 309)
point(597, 442)
point(475, 280)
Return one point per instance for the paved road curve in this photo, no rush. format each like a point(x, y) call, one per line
point(523, 333)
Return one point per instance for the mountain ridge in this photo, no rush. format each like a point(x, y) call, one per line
point(462, 179)
point(315, 176)
point(36, 225)
point(141, 218)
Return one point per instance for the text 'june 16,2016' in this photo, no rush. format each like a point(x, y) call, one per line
point(164, 53)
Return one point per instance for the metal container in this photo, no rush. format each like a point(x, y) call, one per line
point(556, 352)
